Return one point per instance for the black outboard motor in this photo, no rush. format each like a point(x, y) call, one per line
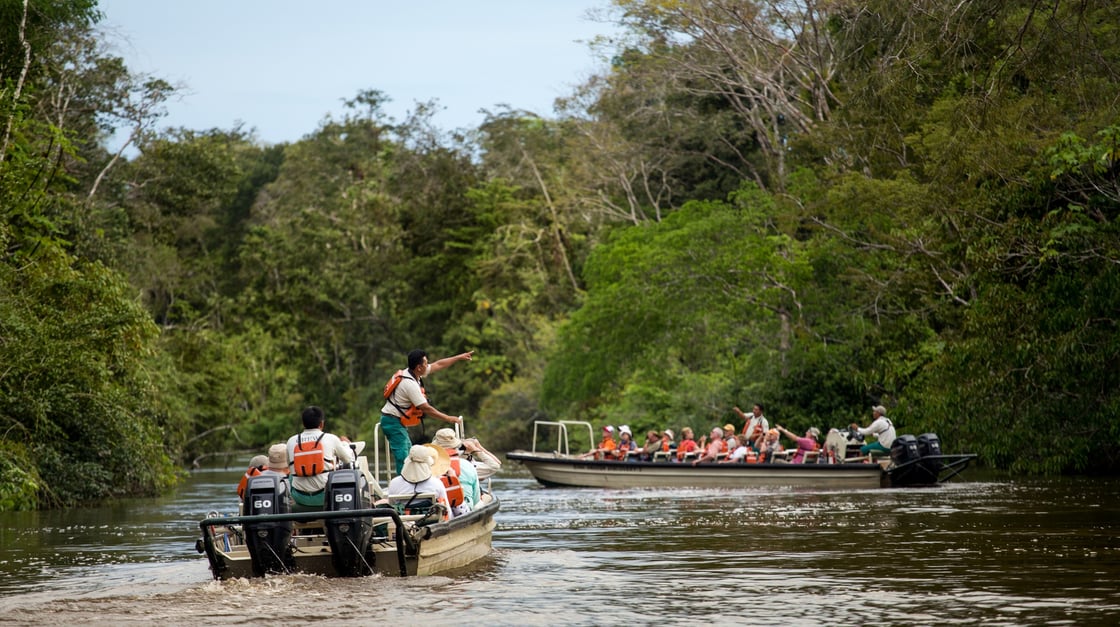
point(348, 537)
point(904, 450)
point(929, 444)
point(269, 543)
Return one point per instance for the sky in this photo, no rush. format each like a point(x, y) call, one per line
point(281, 66)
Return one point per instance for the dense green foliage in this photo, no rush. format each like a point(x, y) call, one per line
point(814, 205)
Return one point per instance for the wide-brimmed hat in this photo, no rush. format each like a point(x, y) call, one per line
point(668, 432)
point(441, 461)
point(258, 461)
point(447, 439)
point(624, 429)
point(278, 457)
point(418, 464)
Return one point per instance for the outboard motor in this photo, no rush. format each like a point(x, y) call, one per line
point(904, 450)
point(348, 537)
point(269, 543)
point(929, 444)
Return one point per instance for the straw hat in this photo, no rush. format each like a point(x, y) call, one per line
point(668, 432)
point(447, 439)
point(418, 464)
point(278, 457)
point(441, 461)
point(729, 427)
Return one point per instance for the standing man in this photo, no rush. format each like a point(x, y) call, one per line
point(756, 426)
point(406, 404)
point(881, 427)
point(311, 455)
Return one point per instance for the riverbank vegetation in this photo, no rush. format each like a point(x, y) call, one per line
point(819, 206)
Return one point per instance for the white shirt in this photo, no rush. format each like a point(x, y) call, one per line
point(334, 451)
point(882, 429)
point(408, 394)
point(431, 485)
point(754, 422)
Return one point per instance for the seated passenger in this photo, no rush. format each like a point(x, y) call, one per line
point(311, 456)
point(714, 449)
point(667, 443)
point(257, 465)
point(464, 470)
point(769, 446)
point(606, 446)
point(626, 443)
point(805, 444)
point(882, 428)
point(485, 463)
point(652, 445)
point(738, 451)
point(416, 476)
point(687, 445)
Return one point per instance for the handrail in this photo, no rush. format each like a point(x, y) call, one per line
point(562, 433)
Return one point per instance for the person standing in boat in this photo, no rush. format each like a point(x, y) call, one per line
point(407, 404)
point(688, 444)
point(806, 444)
point(311, 455)
point(881, 427)
point(756, 426)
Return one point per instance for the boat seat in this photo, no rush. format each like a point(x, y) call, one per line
point(662, 456)
point(407, 504)
point(811, 457)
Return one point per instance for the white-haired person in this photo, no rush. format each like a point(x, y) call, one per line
point(626, 443)
point(881, 427)
point(463, 469)
point(416, 476)
point(806, 444)
point(713, 449)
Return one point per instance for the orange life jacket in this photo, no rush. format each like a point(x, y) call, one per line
point(757, 431)
point(249, 474)
point(309, 459)
point(413, 415)
point(752, 457)
point(455, 496)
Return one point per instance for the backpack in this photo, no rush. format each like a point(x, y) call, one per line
point(413, 415)
point(309, 462)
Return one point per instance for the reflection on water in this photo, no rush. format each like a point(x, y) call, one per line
point(1041, 551)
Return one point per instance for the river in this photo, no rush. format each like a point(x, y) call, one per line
point(993, 552)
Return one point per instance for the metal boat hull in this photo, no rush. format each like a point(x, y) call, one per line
point(429, 549)
point(552, 469)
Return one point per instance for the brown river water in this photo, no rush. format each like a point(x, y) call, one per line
point(981, 551)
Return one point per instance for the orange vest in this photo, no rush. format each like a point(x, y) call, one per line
point(309, 459)
point(249, 474)
point(454, 489)
point(413, 415)
point(752, 457)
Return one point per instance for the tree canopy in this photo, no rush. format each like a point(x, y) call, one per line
point(817, 206)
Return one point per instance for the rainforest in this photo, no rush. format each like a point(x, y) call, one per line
point(817, 205)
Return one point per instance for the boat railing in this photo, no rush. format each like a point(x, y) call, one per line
point(562, 441)
point(380, 443)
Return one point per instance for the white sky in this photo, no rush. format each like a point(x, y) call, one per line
point(280, 66)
